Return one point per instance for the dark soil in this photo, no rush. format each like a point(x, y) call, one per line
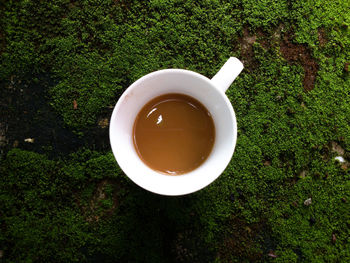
point(92, 211)
point(246, 43)
point(28, 121)
point(263, 39)
point(247, 234)
point(322, 38)
point(301, 54)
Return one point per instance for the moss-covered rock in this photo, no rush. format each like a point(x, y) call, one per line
point(284, 197)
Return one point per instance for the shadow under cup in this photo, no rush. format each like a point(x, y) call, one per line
point(164, 82)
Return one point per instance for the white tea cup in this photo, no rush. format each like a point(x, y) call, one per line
point(210, 92)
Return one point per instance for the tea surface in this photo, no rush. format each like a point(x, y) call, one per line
point(173, 134)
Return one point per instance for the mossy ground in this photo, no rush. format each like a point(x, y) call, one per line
point(65, 63)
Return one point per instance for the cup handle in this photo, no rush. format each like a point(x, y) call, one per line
point(227, 74)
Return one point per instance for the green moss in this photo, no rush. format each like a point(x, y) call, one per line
point(35, 207)
point(82, 208)
point(42, 218)
point(255, 13)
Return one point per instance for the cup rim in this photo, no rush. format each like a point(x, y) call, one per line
point(173, 178)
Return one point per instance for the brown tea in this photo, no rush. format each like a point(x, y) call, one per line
point(173, 134)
